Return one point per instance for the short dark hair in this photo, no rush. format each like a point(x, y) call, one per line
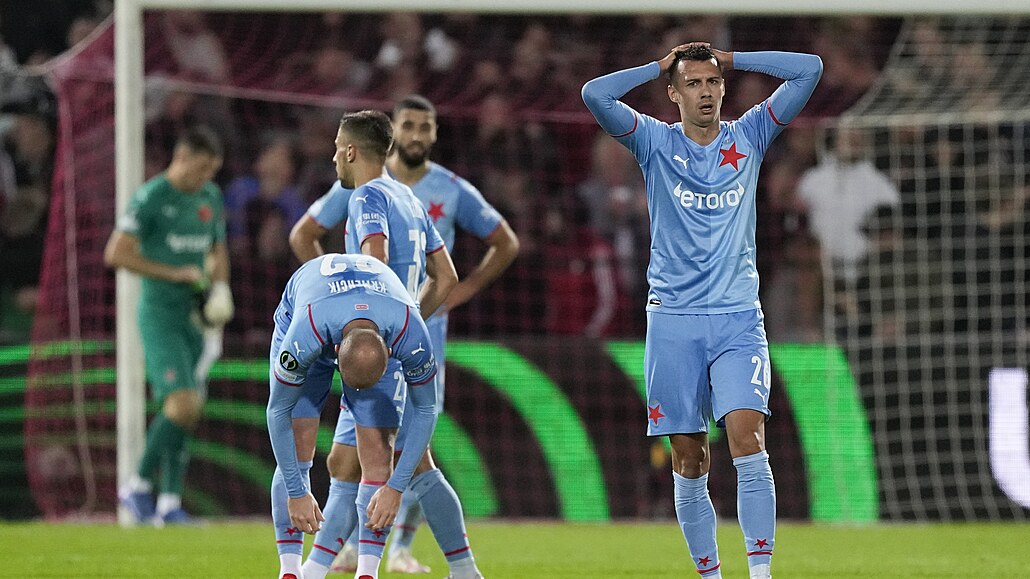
point(201, 139)
point(371, 131)
point(695, 52)
point(414, 102)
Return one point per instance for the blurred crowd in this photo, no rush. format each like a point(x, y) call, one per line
point(511, 121)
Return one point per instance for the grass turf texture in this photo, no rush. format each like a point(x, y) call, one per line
point(520, 550)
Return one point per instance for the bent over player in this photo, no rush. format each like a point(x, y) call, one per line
point(349, 312)
point(706, 352)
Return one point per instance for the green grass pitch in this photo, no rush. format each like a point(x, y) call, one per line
point(507, 550)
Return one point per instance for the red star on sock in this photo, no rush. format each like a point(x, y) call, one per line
point(435, 211)
point(291, 530)
point(731, 156)
point(654, 413)
point(761, 543)
point(378, 533)
point(704, 561)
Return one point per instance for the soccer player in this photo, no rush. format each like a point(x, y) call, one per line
point(706, 352)
point(450, 201)
point(350, 312)
point(174, 224)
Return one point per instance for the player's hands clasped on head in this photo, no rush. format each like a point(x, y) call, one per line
point(383, 507)
point(305, 514)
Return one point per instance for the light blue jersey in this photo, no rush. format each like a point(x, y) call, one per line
point(322, 297)
point(389, 208)
point(701, 199)
point(449, 200)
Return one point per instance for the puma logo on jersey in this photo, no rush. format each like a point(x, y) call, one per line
point(681, 160)
point(420, 349)
point(297, 348)
point(362, 198)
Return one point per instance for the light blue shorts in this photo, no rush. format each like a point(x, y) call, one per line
point(699, 367)
point(437, 326)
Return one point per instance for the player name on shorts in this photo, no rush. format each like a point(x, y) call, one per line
point(340, 286)
point(699, 201)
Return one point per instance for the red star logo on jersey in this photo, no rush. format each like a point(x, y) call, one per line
point(291, 530)
point(731, 156)
point(435, 211)
point(761, 543)
point(204, 213)
point(655, 412)
point(704, 561)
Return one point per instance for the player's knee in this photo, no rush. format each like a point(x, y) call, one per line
point(690, 457)
point(343, 463)
point(183, 407)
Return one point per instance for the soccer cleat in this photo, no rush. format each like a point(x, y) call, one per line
point(346, 561)
point(177, 517)
point(402, 561)
point(140, 504)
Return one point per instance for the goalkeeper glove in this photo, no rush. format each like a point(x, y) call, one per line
point(218, 307)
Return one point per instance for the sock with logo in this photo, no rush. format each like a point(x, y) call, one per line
point(341, 517)
point(756, 510)
point(288, 539)
point(696, 517)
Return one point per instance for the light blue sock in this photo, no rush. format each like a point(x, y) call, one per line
point(287, 538)
point(408, 519)
point(696, 516)
point(352, 540)
point(756, 506)
point(369, 542)
point(443, 514)
point(341, 518)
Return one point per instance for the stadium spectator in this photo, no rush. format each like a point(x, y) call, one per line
point(26, 169)
point(617, 205)
point(706, 342)
point(582, 286)
point(840, 192)
point(171, 231)
point(263, 206)
point(197, 52)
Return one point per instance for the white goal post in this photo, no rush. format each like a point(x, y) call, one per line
point(129, 120)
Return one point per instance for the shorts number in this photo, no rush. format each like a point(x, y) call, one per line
point(760, 378)
point(399, 394)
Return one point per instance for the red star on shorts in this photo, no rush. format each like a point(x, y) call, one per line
point(731, 156)
point(435, 211)
point(291, 530)
point(704, 561)
point(761, 543)
point(655, 412)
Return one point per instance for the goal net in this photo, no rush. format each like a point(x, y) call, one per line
point(545, 410)
point(937, 300)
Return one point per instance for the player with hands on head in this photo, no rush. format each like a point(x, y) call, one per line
point(171, 233)
point(706, 351)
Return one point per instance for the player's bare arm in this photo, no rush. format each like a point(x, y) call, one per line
point(122, 251)
point(305, 239)
point(503, 248)
point(441, 279)
point(378, 247)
